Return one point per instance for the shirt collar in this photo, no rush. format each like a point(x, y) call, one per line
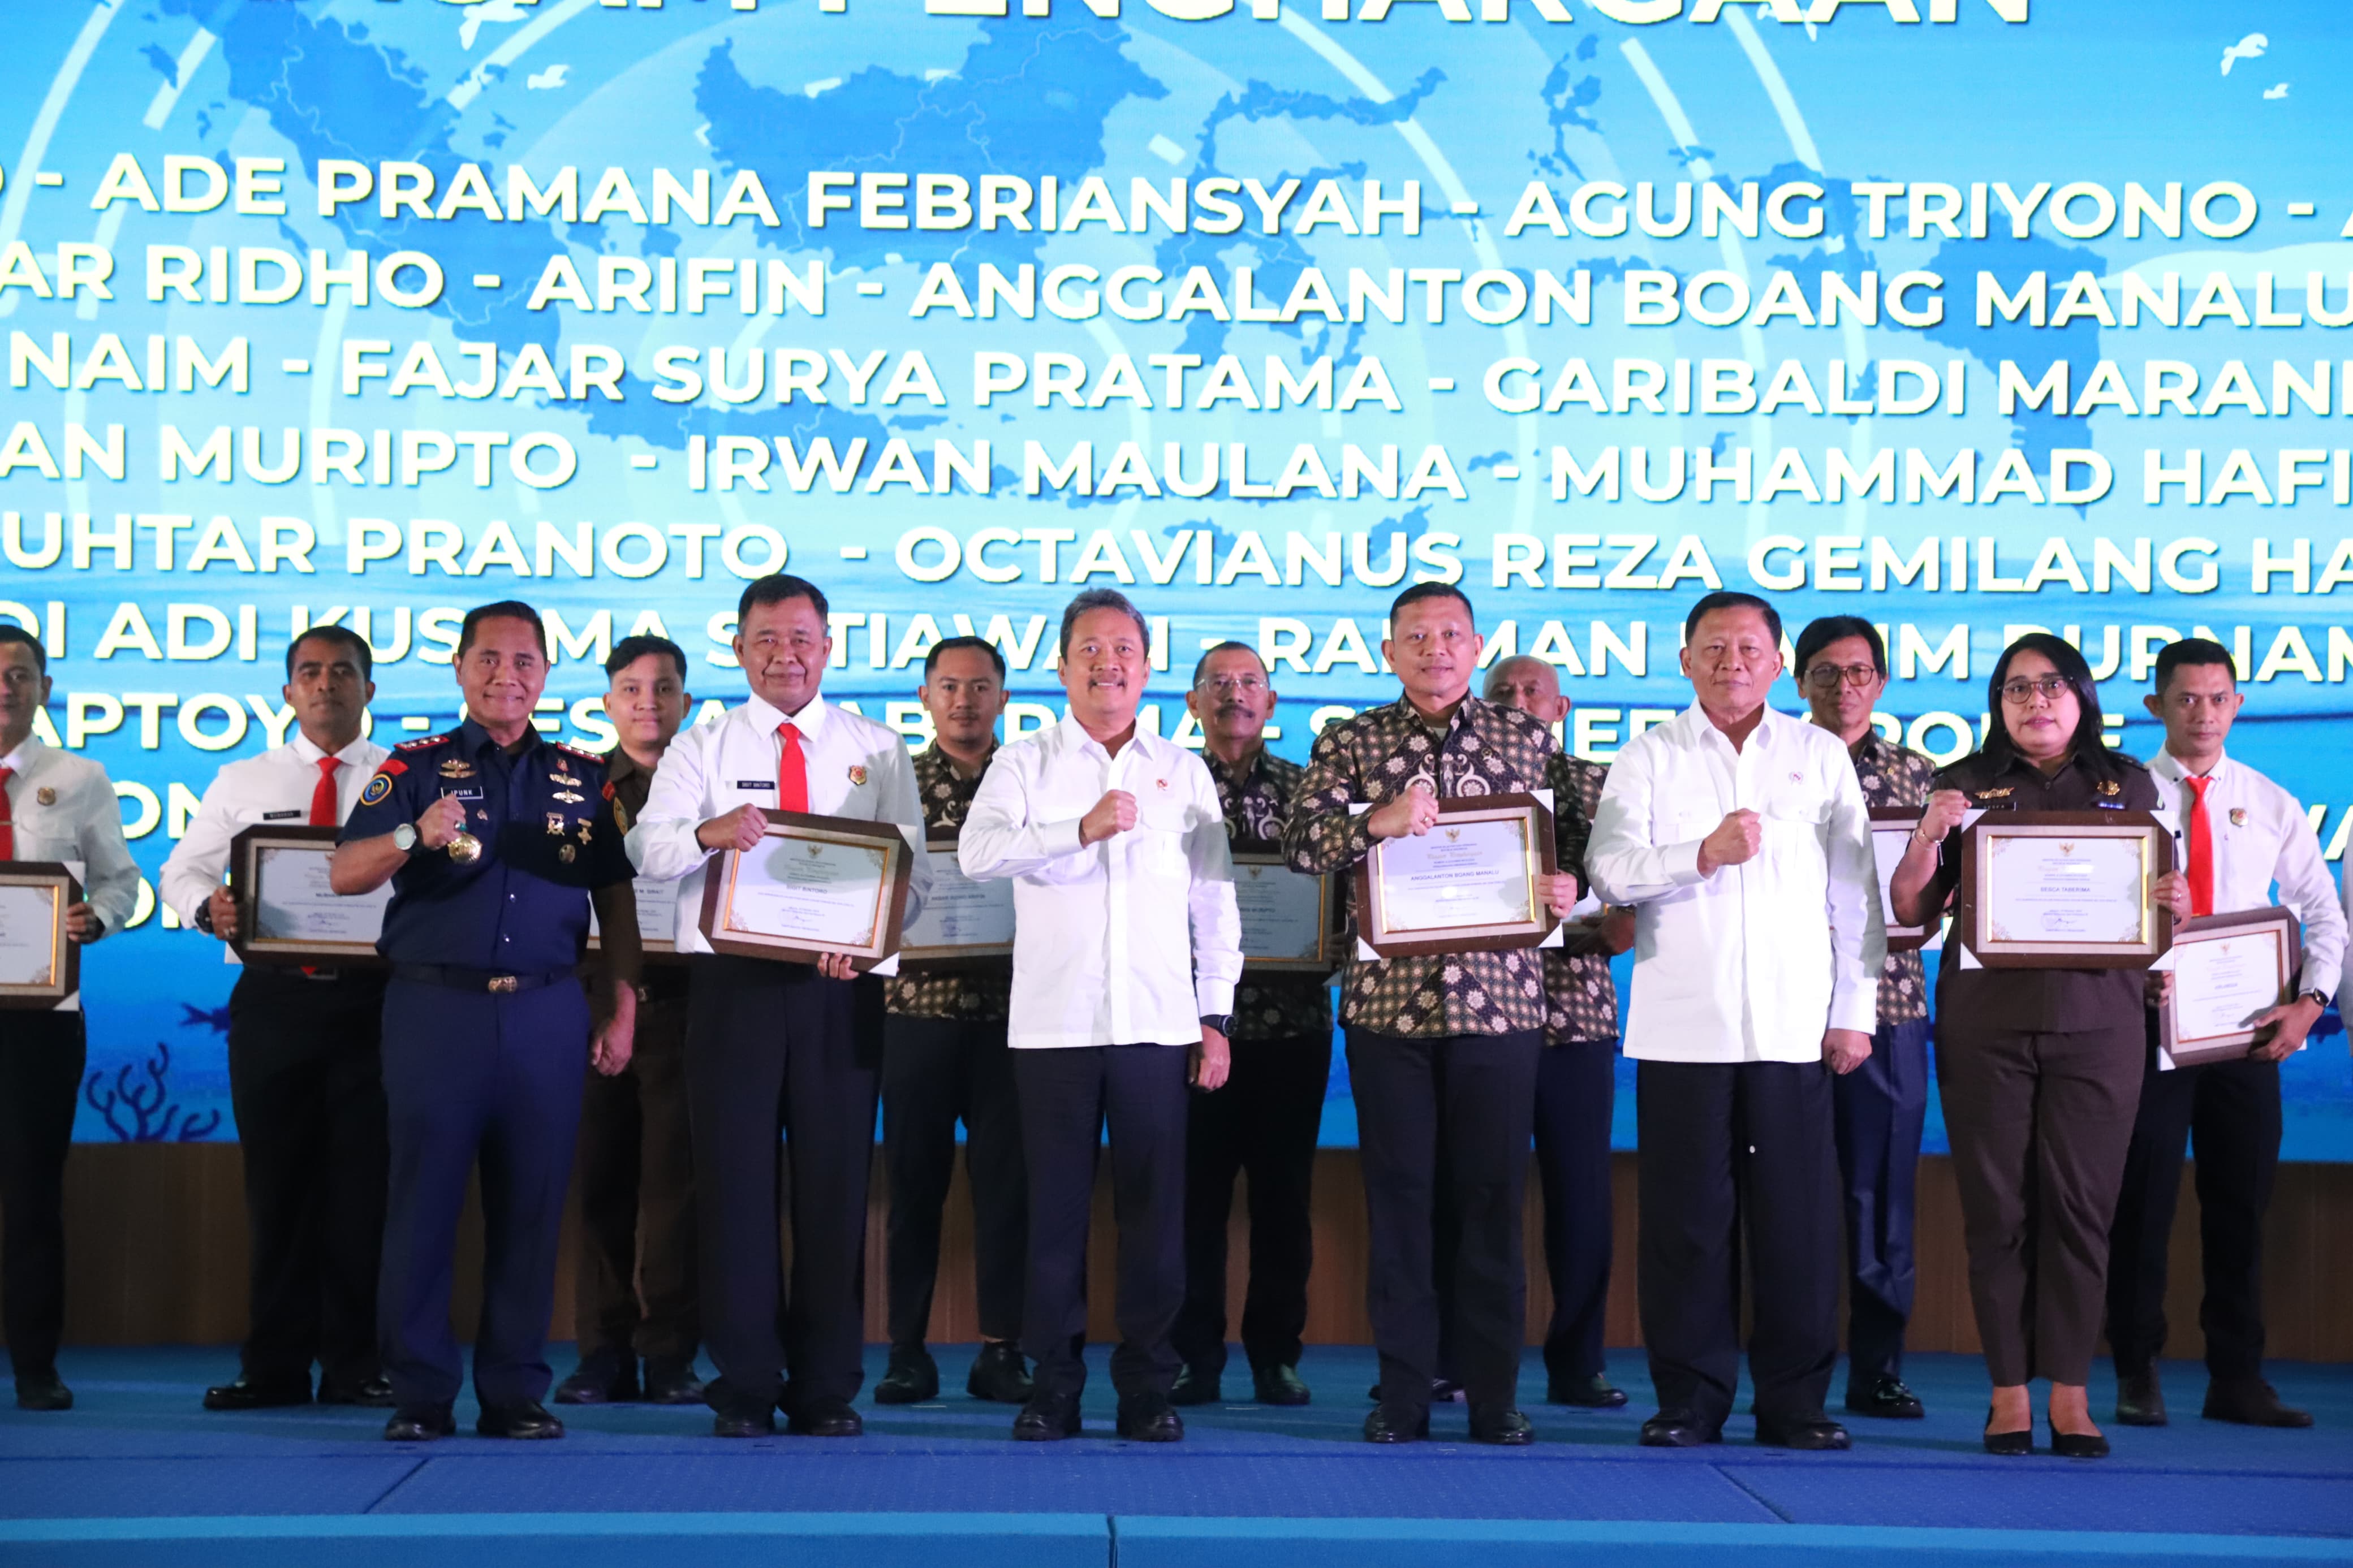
point(2173, 770)
point(310, 752)
point(1251, 766)
point(1769, 723)
point(473, 740)
point(767, 717)
point(618, 764)
point(25, 758)
point(1074, 734)
point(948, 765)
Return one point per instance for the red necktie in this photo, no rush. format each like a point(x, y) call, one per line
point(7, 821)
point(792, 772)
point(2201, 849)
point(323, 797)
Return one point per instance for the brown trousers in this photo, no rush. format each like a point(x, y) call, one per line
point(636, 1290)
point(2040, 1126)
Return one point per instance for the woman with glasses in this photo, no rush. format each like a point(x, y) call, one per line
point(2039, 1068)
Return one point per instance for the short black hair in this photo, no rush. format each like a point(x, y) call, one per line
point(1229, 646)
point(1729, 599)
point(1102, 599)
point(2192, 650)
point(1420, 591)
point(504, 610)
point(776, 588)
point(1819, 634)
point(343, 637)
point(959, 645)
point(628, 650)
point(17, 634)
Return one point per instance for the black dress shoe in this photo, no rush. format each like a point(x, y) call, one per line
point(526, 1422)
point(1194, 1388)
point(420, 1425)
point(375, 1392)
point(1147, 1418)
point(1279, 1386)
point(2141, 1399)
point(914, 1377)
point(1813, 1435)
point(43, 1391)
point(1046, 1419)
point(1397, 1423)
point(249, 1393)
point(671, 1382)
point(999, 1375)
point(1595, 1392)
point(1885, 1398)
point(2250, 1402)
point(1502, 1427)
point(828, 1415)
point(1676, 1429)
point(2008, 1445)
point(602, 1377)
point(758, 1424)
point(2079, 1445)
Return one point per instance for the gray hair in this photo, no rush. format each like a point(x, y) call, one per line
point(1100, 599)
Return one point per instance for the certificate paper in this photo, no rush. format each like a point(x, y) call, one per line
point(2228, 969)
point(292, 902)
point(28, 936)
point(1890, 835)
point(963, 921)
point(2066, 890)
point(657, 918)
point(811, 889)
point(1457, 875)
point(1286, 916)
point(2063, 889)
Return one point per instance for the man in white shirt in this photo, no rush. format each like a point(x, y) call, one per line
point(2237, 835)
point(774, 1045)
point(1741, 837)
point(1127, 943)
point(54, 805)
point(305, 1062)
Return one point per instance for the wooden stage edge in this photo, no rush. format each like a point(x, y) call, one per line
point(156, 1255)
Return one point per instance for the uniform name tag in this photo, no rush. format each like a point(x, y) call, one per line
point(279, 815)
point(474, 793)
point(768, 785)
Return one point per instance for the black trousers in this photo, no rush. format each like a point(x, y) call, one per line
point(1879, 1109)
point(1576, 1089)
point(1070, 1095)
point(936, 1072)
point(306, 1080)
point(634, 1289)
point(1467, 1100)
point(1263, 1121)
point(41, 1058)
point(1728, 1148)
point(2230, 1110)
point(777, 1047)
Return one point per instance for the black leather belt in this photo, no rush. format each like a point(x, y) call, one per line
point(498, 983)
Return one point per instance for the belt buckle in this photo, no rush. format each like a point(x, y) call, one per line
point(505, 984)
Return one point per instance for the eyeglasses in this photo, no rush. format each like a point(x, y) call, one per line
point(2047, 687)
point(1824, 676)
point(1227, 685)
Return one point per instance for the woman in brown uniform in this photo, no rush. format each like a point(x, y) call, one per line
point(2039, 1068)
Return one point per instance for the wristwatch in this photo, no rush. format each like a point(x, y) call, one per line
point(2317, 997)
point(403, 838)
point(204, 920)
point(1221, 1022)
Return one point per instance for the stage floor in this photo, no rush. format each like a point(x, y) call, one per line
point(138, 1473)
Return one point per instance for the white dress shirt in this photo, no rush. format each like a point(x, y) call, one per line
point(856, 768)
point(64, 808)
point(1752, 963)
point(275, 786)
point(1124, 942)
point(2261, 837)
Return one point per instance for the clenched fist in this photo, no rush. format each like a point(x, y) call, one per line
point(1944, 812)
point(442, 821)
point(1410, 815)
point(1114, 814)
point(224, 907)
point(741, 828)
point(1736, 838)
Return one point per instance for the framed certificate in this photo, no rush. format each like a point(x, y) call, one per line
point(964, 924)
point(657, 922)
point(2226, 969)
point(1891, 833)
point(1287, 927)
point(38, 967)
point(2064, 890)
point(286, 912)
point(1468, 885)
point(816, 885)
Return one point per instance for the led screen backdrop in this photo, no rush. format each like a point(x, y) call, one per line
point(1960, 315)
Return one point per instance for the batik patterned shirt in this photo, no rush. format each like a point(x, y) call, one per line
point(1891, 776)
point(967, 995)
point(1256, 800)
point(1581, 997)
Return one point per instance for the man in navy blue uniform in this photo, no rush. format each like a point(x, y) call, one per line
point(494, 840)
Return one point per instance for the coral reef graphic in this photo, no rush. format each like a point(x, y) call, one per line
point(145, 1100)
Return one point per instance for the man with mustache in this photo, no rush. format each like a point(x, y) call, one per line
point(944, 1057)
point(1126, 947)
point(57, 806)
point(305, 1068)
point(1443, 1049)
point(1266, 1119)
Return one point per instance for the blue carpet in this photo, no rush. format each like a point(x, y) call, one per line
point(1250, 1484)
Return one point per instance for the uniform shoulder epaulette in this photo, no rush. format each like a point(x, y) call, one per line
point(422, 742)
point(2127, 758)
point(594, 759)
